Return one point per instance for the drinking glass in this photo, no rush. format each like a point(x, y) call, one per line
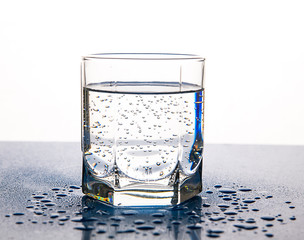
point(142, 127)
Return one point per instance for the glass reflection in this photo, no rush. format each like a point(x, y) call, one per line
point(100, 220)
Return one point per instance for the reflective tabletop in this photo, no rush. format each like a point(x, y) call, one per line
point(249, 192)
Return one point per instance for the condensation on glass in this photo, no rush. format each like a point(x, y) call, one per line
point(142, 128)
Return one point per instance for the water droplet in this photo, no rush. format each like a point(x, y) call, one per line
point(244, 189)
point(86, 228)
point(139, 221)
point(19, 222)
point(223, 205)
point(248, 201)
point(37, 212)
point(101, 223)
point(91, 219)
point(227, 191)
point(190, 213)
point(145, 227)
point(131, 230)
point(117, 218)
point(61, 195)
point(39, 196)
point(63, 219)
point(250, 221)
point(76, 219)
point(194, 226)
point(217, 186)
point(212, 235)
point(227, 198)
point(54, 215)
point(50, 204)
point(18, 214)
point(267, 218)
point(216, 219)
point(230, 213)
point(217, 231)
point(129, 212)
point(268, 234)
point(158, 214)
point(246, 227)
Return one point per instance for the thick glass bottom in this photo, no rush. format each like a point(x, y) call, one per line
point(119, 190)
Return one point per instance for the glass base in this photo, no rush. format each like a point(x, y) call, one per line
point(119, 190)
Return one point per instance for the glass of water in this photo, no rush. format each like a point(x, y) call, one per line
point(142, 127)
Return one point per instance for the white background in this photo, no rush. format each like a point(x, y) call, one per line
point(254, 67)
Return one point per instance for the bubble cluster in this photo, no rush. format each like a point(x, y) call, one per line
point(144, 135)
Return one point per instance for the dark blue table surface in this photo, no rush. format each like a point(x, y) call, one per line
point(30, 170)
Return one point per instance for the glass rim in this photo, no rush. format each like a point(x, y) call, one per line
point(143, 56)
